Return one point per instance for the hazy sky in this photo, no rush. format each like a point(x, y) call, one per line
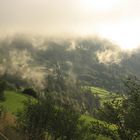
point(118, 20)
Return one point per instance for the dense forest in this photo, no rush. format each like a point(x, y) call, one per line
point(73, 89)
point(93, 61)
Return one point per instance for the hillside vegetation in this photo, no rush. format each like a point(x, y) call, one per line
point(93, 61)
point(83, 89)
point(14, 101)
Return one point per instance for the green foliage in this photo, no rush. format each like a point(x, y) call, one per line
point(90, 100)
point(30, 92)
point(124, 114)
point(104, 94)
point(103, 129)
point(65, 123)
point(32, 120)
point(1, 110)
point(61, 121)
point(2, 88)
point(66, 89)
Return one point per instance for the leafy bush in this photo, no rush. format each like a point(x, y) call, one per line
point(123, 113)
point(59, 121)
point(30, 91)
point(2, 88)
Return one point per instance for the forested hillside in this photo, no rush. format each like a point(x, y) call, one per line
point(68, 89)
point(93, 61)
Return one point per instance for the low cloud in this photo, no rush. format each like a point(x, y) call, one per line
point(28, 57)
point(109, 57)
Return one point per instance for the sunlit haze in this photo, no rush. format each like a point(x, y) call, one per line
point(116, 20)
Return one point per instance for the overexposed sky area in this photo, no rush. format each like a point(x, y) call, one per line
point(117, 20)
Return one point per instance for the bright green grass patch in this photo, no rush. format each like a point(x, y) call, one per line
point(99, 90)
point(13, 101)
point(104, 94)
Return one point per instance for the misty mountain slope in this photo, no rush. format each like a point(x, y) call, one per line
point(93, 61)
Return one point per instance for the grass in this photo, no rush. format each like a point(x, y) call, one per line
point(104, 94)
point(13, 101)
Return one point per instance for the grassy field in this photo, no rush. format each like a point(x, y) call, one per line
point(104, 94)
point(13, 101)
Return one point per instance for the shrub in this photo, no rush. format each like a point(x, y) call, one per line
point(2, 88)
point(30, 91)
